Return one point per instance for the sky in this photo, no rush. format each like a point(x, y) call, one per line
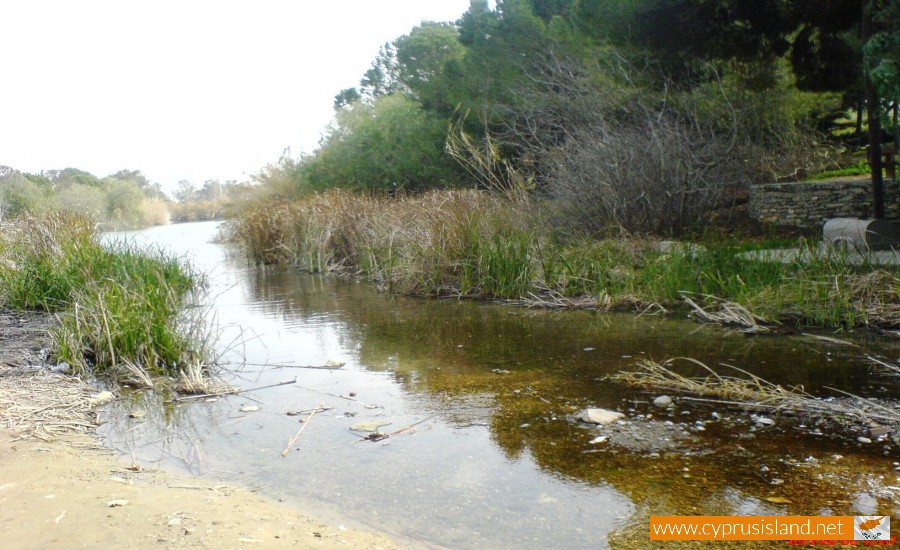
point(184, 89)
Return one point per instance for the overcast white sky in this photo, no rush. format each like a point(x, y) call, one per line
point(183, 89)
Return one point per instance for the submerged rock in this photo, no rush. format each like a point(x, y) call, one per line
point(764, 421)
point(662, 401)
point(100, 399)
point(599, 416)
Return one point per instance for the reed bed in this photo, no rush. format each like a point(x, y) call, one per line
point(480, 245)
point(120, 310)
point(746, 390)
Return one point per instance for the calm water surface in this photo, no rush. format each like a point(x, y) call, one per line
point(496, 460)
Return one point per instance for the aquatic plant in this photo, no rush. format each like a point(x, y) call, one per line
point(121, 310)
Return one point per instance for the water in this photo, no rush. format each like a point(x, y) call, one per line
point(496, 460)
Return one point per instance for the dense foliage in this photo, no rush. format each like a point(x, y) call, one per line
point(121, 200)
point(608, 105)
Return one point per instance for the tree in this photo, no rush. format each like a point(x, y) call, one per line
point(882, 52)
point(391, 143)
point(185, 191)
point(823, 39)
point(346, 98)
point(422, 58)
point(382, 77)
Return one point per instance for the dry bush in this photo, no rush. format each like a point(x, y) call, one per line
point(615, 154)
point(154, 212)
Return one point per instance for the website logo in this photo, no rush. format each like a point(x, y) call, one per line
point(871, 527)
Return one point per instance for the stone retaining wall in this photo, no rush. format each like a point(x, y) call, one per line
point(808, 205)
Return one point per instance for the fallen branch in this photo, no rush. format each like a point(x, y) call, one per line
point(379, 436)
point(328, 366)
point(234, 391)
point(893, 369)
point(829, 340)
point(292, 440)
point(730, 313)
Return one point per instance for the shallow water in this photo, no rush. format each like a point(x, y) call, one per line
point(496, 460)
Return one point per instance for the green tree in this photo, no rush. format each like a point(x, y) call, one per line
point(389, 144)
point(823, 39)
point(882, 52)
point(123, 202)
point(422, 59)
point(382, 78)
point(346, 98)
point(22, 193)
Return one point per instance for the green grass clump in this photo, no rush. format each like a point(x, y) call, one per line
point(858, 169)
point(121, 309)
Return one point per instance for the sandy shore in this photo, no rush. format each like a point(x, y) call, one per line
point(60, 489)
point(56, 495)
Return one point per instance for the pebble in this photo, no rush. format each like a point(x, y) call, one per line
point(100, 399)
point(599, 439)
point(599, 416)
point(864, 440)
point(662, 401)
point(117, 502)
point(764, 421)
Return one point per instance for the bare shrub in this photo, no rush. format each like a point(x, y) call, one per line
point(651, 175)
point(614, 155)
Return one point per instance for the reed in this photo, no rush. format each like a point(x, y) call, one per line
point(121, 310)
point(478, 245)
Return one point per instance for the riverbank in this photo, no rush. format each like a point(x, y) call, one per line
point(465, 243)
point(60, 489)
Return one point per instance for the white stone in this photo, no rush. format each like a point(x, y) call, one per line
point(599, 416)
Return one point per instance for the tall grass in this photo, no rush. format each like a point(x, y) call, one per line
point(120, 308)
point(468, 243)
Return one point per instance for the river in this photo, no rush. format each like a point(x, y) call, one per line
point(493, 457)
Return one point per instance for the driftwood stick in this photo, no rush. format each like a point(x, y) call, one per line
point(292, 440)
point(280, 366)
point(396, 432)
point(236, 391)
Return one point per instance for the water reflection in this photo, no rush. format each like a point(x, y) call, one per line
point(498, 461)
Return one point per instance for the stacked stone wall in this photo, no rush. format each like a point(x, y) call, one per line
point(808, 205)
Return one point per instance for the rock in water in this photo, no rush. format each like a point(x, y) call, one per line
point(599, 416)
point(369, 426)
point(763, 421)
point(100, 399)
point(662, 401)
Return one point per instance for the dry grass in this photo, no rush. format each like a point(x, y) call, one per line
point(748, 391)
point(876, 296)
point(36, 403)
point(427, 244)
point(727, 314)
